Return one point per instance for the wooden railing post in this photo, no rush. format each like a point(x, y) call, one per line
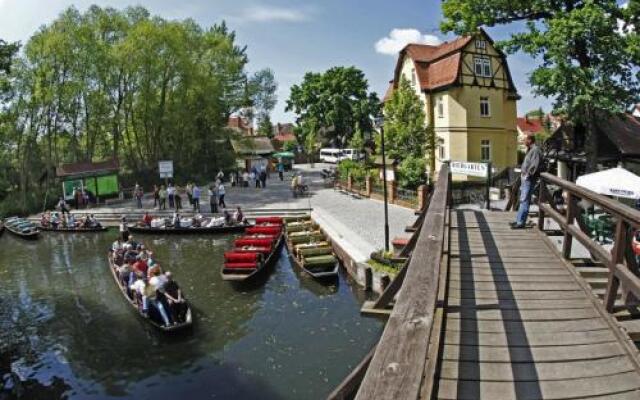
point(570, 219)
point(349, 182)
point(541, 200)
point(617, 257)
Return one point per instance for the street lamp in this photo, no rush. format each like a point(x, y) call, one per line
point(379, 123)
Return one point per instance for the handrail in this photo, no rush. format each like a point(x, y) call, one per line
point(398, 365)
point(626, 218)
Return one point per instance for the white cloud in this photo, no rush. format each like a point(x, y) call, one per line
point(273, 14)
point(398, 38)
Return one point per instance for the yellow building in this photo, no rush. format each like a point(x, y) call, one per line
point(469, 98)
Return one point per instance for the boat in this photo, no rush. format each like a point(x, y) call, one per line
point(255, 252)
point(22, 228)
point(153, 318)
point(163, 226)
point(310, 250)
point(72, 230)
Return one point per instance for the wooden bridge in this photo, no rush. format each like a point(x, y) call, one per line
point(481, 311)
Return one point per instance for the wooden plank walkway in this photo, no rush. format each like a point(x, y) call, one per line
point(519, 323)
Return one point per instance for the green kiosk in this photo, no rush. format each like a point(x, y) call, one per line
point(98, 178)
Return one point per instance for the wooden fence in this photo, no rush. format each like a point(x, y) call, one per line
point(369, 187)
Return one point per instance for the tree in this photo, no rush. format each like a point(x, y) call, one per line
point(337, 100)
point(589, 64)
point(7, 54)
point(265, 127)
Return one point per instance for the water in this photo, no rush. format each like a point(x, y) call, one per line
point(287, 337)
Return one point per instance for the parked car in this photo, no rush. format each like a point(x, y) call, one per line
point(332, 156)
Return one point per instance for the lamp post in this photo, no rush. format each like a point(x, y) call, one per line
point(380, 124)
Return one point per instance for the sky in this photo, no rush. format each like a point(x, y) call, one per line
point(295, 37)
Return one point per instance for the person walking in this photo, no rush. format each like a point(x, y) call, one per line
point(190, 193)
point(529, 175)
point(196, 198)
point(221, 193)
point(245, 178)
point(220, 176)
point(263, 177)
point(162, 195)
point(156, 196)
point(281, 170)
point(171, 192)
point(213, 198)
point(139, 194)
point(178, 199)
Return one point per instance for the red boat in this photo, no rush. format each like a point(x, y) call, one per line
point(255, 252)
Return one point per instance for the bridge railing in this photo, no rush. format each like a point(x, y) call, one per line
point(624, 218)
point(407, 350)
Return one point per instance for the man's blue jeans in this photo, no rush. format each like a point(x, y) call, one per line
point(158, 305)
point(525, 199)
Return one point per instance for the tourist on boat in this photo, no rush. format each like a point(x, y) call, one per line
point(71, 221)
point(149, 297)
point(213, 198)
point(62, 206)
point(221, 193)
point(124, 273)
point(124, 229)
point(44, 220)
point(117, 245)
point(163, 198)
point(227, 218)
point(146, 219)
point(174, 298)
point(196, 198)
point(175, 221)
point(93, 221)
point(238, 216)
point(64, 220)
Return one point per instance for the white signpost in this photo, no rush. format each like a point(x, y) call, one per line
point(478, 169)
point(166, 169)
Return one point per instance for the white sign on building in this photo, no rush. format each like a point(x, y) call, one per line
point(469, 168)
point(166, 169)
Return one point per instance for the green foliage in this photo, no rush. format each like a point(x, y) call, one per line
point(357, 141)
point(289, 146)
point(265, 127)
point(587, 64)
point(412, 172)
point(356, 169)
point(107, 83)
point(262, 90)
point(336, 101)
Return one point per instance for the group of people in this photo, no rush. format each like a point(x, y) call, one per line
point(57, 220)
point(145, 282)
point(197, 221)
point(171, 195)
point(255, 177)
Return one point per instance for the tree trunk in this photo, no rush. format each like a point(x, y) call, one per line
point(591, 140)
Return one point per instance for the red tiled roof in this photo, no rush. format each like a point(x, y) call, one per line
point(87, 168)
point(440, 73)
point(285, 137)
point(530, 126)
point(428, 53)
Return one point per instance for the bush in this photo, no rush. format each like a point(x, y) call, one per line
point(355, 168)
point(412, 172)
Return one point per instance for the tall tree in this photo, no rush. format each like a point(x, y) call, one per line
point(337, 100)
point(589, 51)
point(263, 88)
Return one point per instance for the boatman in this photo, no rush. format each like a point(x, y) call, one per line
point(529, 175)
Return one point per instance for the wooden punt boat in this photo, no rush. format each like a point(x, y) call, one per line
point(310, 251)
point(153, 319)
point(72, 230)
point(22, 228)
point(190, 230)
point(325, 271)
point(256, 261)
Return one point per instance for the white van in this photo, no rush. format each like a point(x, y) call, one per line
point(352, 154)
point(330, 155)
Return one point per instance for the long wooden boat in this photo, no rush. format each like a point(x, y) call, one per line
point(319, 274)
point(72, 230)
point(260, 261)
point(190, 230)
point(188, 322)
point(22, 228)
point(310, 251)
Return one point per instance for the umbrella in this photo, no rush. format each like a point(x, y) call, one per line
point(284, 154)
point(617, 182)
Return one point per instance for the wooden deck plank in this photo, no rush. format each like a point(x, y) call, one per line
point(525, 304)
point(522, 372)
point(528, 339)
point(474, 313)
point(527, 326)
point(515, 286)
point(470, 293)
point(471, 277)
point(568, 389)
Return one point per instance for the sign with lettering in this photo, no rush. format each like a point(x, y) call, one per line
point(468, 168)
point(166, 169)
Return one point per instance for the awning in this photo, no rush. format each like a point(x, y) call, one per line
point(284, 154)
point(617, 182)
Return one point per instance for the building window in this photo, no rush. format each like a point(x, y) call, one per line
point(483, 66)
point(485, 110)
point(440, 107)
point(441, 152)
point(413, 77)
point(485, 150)
point(481, 44)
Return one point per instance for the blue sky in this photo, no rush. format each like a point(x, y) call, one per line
point(292, 37)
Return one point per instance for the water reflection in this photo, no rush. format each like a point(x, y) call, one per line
point(286, 338)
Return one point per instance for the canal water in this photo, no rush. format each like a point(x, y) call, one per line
point(286, 337)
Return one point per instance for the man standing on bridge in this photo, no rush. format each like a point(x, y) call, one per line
point(530, 173)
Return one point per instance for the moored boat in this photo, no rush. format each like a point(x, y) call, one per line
point(189, 230)
point(255, 252)
point(22, 228)
point(153, 317)
point(310, 249)
point(72, 230)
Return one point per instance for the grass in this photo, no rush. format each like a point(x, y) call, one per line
point(380, 267)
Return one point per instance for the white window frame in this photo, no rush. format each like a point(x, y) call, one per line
point(440, 107)
point(482, 67)
point(481, 44)
point(414, 81)
point(484, 100)
point(442, 152)
point(485, 145)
